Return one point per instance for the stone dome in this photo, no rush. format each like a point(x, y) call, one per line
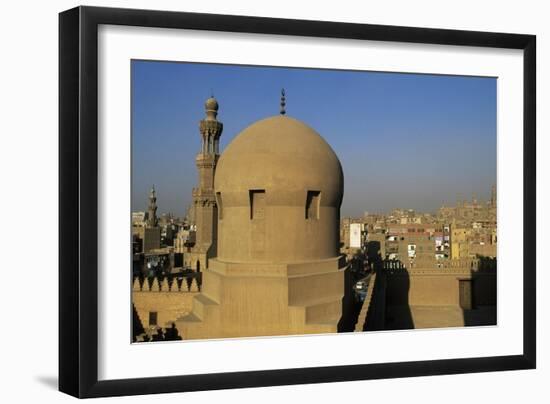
point(286, 158)
point(279, 188)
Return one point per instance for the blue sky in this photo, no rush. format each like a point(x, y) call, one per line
point(404, 140)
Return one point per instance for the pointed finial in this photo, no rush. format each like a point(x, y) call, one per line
point(283, 103)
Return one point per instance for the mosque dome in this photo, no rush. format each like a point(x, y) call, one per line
point(275, 267)
point(279, 187)
point(285, 157)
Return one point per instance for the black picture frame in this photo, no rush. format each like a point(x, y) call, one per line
point(78, 201)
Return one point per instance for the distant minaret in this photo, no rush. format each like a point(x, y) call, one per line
point(152, 220)
point(494, 196)
point(151, 232)
point(283, 102)
point(204, 199)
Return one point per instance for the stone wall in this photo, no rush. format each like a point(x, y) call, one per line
point(169, 299)
point(168, 306)
point(438, 287)
point(428, 297)
point(376, 316)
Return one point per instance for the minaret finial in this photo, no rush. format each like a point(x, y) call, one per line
point(283, 103)
point(211, 106)
point(210, 128)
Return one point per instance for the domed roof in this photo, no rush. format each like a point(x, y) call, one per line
point(211, 104)
point(284, 155)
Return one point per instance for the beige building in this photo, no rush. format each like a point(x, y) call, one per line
point(459, 242)
point(278, 189)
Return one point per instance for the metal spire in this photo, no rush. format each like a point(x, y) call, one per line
point(283, 103)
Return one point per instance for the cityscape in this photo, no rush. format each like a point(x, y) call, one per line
point(263, 249)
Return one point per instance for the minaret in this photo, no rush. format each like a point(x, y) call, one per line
point(151, 232)
point(494, 196)
point(152, 220)
point(204, 199)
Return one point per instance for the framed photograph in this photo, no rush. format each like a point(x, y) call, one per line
point(251, 201)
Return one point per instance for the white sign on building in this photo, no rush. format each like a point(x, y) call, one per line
point(355, 235)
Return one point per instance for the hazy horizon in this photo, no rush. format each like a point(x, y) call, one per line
point(405, 141)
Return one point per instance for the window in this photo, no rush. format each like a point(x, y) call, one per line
point(312, 204)
point(152, 318)
point(220, 206)
point(257, 204)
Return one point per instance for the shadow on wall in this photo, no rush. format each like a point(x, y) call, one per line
point(137, 326)
point(376, 310)
point(482, 294)
point(350, 307)
point(458, 300)
point(390, 308)
point(398, 315)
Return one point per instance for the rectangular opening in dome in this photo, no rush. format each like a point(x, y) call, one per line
point(257, 204)
point(312, 204)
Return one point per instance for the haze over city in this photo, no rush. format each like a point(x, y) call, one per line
point(404, 140)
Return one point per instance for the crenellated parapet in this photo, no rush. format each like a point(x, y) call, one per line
point(462, 265)
point(174, 285)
